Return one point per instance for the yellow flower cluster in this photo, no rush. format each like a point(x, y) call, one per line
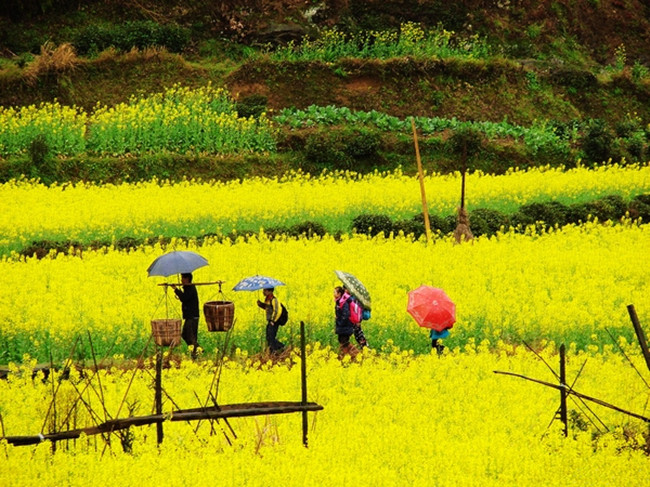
point(397, 419)
point(179, 119)
point(565, 285)
point(63, 127)
point(87, 212)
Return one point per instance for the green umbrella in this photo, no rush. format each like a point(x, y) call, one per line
point(356, 288)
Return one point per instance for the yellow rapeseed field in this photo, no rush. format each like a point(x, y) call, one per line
point(570, 285)
point(395, 419)
point(397, 415)
point(87, 211)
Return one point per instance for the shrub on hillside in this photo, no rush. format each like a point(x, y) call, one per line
point(127, 243)
point(636, 146)
point(307, 228)
point(326, 149)
point(43, 164)
point(611, 207)
point(551, 213)
point(438, 223)
point(42, 248)
point(342, 149)
point(573, 78)
point(640, 207)
point(408, 227)
point(579, 212)
point(124, 37)
point(486, 221)
point(251, 106)
point(597, 142)
point(361, 143)
point(372, 224)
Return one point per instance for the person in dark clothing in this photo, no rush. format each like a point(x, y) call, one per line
point(189, 298)
point(359, 335)
point(273, 310)
point(343, 326)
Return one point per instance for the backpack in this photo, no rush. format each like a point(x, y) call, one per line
point(356, 312)
point(284, 316)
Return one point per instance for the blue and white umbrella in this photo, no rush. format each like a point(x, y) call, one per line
point(255, 283)
point(176, 262)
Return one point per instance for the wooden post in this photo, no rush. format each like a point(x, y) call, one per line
point(639, 334)
point(158, 395)
point(462, 190)
point(303, 380)
point(462, 180)
point(425, 210)
point(563, 393)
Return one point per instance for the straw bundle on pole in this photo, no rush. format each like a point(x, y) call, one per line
point(467, 142)
point(462, 232)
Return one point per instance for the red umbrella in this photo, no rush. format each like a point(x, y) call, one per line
point(431, 308)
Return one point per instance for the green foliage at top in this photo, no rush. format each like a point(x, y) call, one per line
point(538, 137)
point(139, 34)
point(409, 40)
point(466, 142)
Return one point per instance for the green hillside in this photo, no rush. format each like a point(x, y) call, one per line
point(563, 81)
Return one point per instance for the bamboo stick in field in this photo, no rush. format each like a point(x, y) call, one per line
point(225, 411)
point(425, 210)
point(192, 283)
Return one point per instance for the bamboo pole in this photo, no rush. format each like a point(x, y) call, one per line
point(577, 394)
point(178, 284)
point(425, 209)
point(224, 411)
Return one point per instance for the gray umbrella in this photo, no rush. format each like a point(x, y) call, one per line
point(356, 288)
point(176, 262)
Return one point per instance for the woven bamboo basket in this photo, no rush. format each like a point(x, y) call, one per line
point(219, 315)
point(166, 332)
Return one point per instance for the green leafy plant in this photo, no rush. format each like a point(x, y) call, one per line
point(639, 71)
point(372, 224)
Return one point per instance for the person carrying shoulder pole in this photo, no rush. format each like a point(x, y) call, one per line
point(189, 299)
point(273, 311)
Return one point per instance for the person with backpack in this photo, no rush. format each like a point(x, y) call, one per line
point(276, 316)
point(356, 317)
point(344, 328)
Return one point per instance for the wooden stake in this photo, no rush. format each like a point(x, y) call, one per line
point(158, 396)
point(639, 334)
point(462, 183)
point(425, 210)
point(563, 393)
point(303, 380)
